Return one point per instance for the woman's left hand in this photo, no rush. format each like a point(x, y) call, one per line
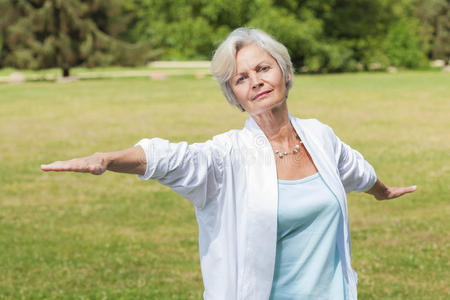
point(383, 192)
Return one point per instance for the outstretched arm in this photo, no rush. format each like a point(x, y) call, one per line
point(383, 192)
point(130, 161)
point(358, 175)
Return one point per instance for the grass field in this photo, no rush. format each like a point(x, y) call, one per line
point(78, 236)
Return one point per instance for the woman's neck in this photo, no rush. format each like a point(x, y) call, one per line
point(275, 124)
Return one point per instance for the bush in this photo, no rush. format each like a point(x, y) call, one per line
point(303, 36)
point(403, 45)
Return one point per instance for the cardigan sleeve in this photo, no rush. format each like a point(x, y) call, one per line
point(194, 171)
point(356, 174)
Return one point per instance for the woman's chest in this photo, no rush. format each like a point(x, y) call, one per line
point(295, 166)
point(305, 204)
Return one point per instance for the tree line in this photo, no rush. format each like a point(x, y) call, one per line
point(321, 35)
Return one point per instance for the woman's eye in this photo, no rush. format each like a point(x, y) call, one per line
point(239, 80)
point(265, 68)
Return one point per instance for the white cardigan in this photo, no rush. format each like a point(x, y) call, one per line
point(232, 182)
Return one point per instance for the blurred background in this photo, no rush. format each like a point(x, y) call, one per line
point(322, 35)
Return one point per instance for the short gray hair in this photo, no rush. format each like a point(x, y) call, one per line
point(223, 64)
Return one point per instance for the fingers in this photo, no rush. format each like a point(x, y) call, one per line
point(61, 166)
point(411, 189)
point(400, 191)
point(85, 164)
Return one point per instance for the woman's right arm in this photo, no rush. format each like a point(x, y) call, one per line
point(132, 161)
point(193, 171)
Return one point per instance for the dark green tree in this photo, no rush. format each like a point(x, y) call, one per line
point(57, 33)
point(188, 29)
point(435, 15)
point(297, 25)
point(403, 47)
point(322, 35)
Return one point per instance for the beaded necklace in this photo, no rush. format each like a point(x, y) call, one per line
point(295, 150)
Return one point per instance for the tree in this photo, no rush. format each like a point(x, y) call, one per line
point(402, 45)
point(302, 32)
point(188, 29)
point(435, 14)
point(57, 33)
point(322, 35)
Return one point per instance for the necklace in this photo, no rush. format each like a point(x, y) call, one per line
point(295, 150)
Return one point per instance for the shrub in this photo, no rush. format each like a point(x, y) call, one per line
point(403, 45)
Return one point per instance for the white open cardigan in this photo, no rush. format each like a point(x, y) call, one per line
point(232, 182)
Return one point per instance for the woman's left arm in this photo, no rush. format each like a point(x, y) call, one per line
point(382, 192)
point(358, 175)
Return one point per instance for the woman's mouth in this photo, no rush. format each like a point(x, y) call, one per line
point(262, 94)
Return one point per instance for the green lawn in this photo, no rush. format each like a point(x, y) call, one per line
point(78, 236)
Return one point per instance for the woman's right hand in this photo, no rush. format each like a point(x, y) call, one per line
point(95, 164)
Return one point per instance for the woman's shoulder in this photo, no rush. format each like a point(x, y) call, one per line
point(226, 136)
point(225, 140)
point(320, 133)
point(313, 125)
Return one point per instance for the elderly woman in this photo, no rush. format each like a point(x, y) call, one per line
point(270, 199)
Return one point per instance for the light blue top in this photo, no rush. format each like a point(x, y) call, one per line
point(307, 264)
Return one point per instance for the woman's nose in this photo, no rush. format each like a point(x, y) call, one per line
point(256, 81)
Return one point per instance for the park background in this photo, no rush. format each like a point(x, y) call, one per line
point(78, 77)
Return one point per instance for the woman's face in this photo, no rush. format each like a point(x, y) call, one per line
point(258, 83)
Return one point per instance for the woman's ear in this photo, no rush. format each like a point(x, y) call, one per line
point(288, 80)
